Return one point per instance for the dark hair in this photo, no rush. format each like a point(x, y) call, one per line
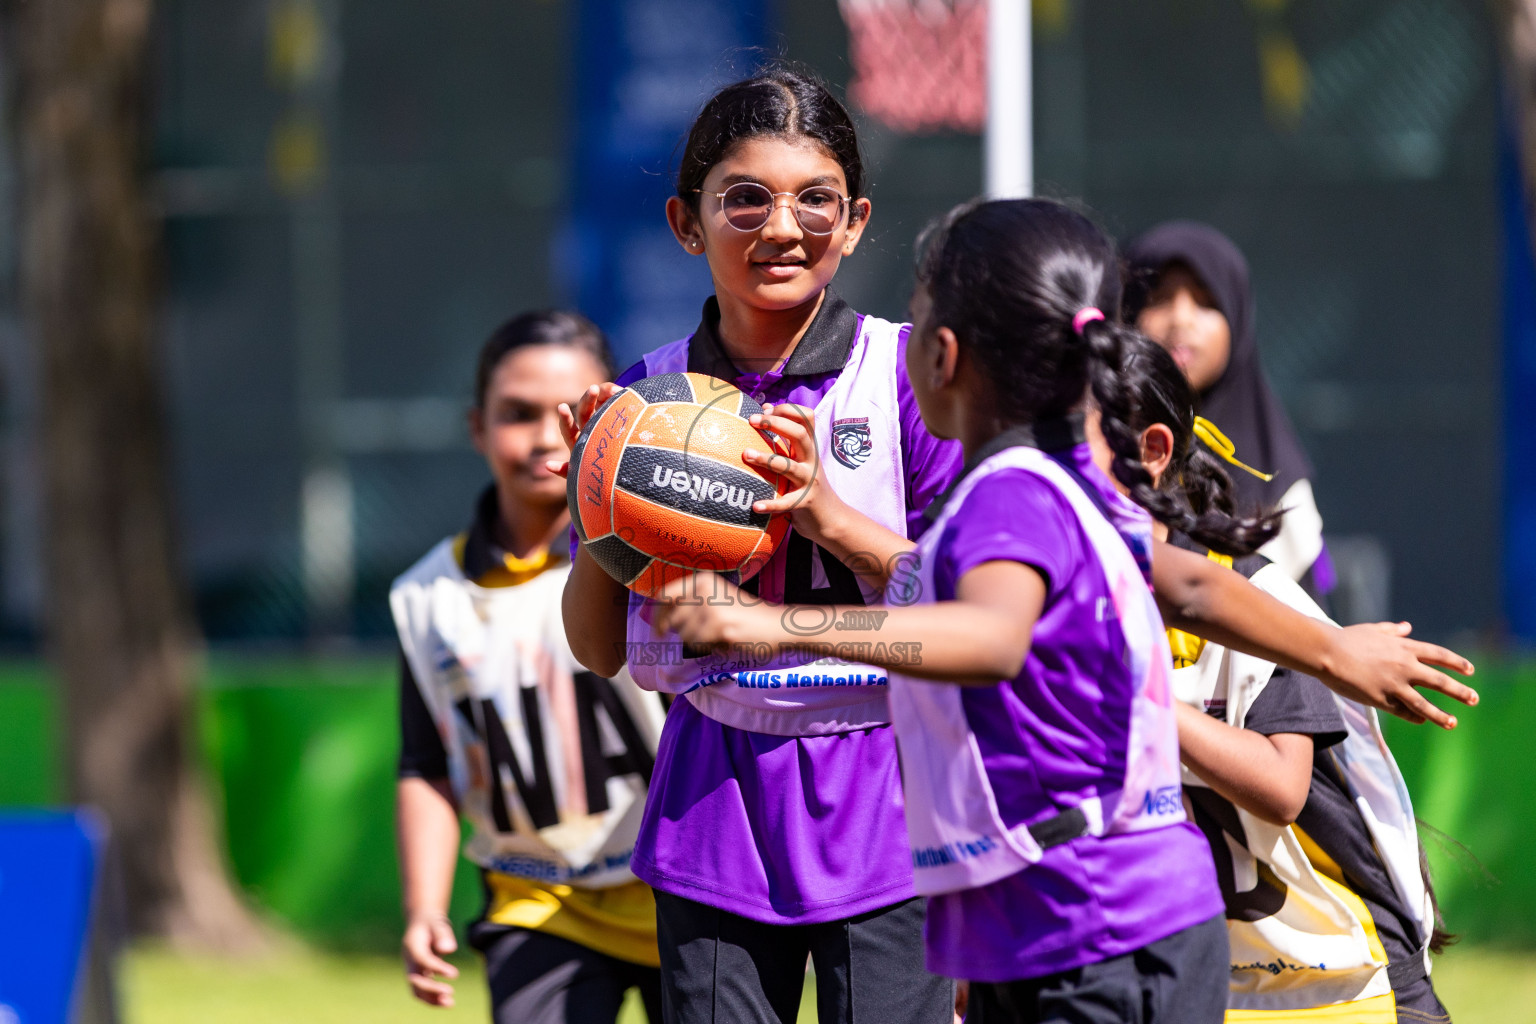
point(781, 102)
point(544, 327)
point(1008, 276)
point(1161, 394)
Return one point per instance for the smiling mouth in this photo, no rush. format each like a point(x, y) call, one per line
point(780, 261)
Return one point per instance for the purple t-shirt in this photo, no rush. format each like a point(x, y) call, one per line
point(1057, 730)
point(788, 829)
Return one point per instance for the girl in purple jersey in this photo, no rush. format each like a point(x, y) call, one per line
point(775, 831)
point(774, 827)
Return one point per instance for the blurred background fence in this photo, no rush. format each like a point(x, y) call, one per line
point(355, 195)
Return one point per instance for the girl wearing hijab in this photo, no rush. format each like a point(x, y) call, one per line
point(1192, 296)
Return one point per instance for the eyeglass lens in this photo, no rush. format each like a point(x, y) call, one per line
point(748, 205)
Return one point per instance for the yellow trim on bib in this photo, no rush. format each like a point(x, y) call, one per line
point(1380, 1009)
point(1333, 877)
point(619, 922)
point(1187, 647)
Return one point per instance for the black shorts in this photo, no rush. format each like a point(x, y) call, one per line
point(722, 968)
point(1182, 979)
point(542, 979)
point(1417, 1003)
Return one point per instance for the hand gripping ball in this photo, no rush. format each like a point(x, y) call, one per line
point(657, 488)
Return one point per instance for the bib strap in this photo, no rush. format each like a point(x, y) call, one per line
point(1060, 828)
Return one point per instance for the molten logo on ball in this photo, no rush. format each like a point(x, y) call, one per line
point(701, 488)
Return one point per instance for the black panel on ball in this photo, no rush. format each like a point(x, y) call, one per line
point(664, 387)
point(572, 474)
point(617, 558)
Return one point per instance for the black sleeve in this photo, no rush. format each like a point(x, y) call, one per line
point(422, 755)
point(1292, 702)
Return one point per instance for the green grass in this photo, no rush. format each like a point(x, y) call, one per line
point(1478, 986)
point(1487, 986)
point(161, 987)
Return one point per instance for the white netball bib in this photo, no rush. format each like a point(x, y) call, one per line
point(959, 839)
point(1306, 941)
point(550, 763)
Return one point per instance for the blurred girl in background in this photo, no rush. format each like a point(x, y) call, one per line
point(1190, 293)
point(549, 762)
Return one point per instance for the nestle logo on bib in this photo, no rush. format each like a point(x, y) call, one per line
point(851, 444)
point(1165, 800)
point(701, 488)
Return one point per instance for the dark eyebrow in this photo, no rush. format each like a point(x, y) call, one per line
point(733, 179)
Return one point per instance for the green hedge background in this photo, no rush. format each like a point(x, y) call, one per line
point(302, 753)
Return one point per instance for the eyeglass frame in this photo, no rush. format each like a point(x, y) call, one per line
point(845, 201)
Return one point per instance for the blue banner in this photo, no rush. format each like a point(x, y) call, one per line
point(643, 68)
point(1519, 387)
point(48, 871)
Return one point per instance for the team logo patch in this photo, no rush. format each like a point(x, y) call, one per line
point(851, 444)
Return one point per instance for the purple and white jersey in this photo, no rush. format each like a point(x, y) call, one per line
point(795, 829)
point(1087, 725)
point(858, 434)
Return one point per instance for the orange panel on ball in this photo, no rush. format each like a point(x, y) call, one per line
point(600, 462)
point(698, 431)
point(679, 537)
point(714, 392)
point(771, 538)
point(657, 575)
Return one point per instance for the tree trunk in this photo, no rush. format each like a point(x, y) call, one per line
point(119, 629)
point(1516, 26)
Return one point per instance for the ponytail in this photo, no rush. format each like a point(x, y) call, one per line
point(1106, 344)
point(1196, 484)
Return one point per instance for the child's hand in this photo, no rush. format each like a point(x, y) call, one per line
point(813, 507)
point(428, 938)
point(1377, 665)
point(572, 422)
point(706, 610)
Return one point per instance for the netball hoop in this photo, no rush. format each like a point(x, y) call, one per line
point(919, 66)
point(925, 66)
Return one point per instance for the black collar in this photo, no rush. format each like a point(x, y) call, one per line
point(823, 348)
point(1053, 435)
point(481, 552)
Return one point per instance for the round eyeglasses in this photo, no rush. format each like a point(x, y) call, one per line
point(748, 205)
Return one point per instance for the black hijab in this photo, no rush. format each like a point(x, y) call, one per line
point(1240, 403)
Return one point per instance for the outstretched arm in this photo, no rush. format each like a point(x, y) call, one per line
point(979, 638)
point(1376, 664)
